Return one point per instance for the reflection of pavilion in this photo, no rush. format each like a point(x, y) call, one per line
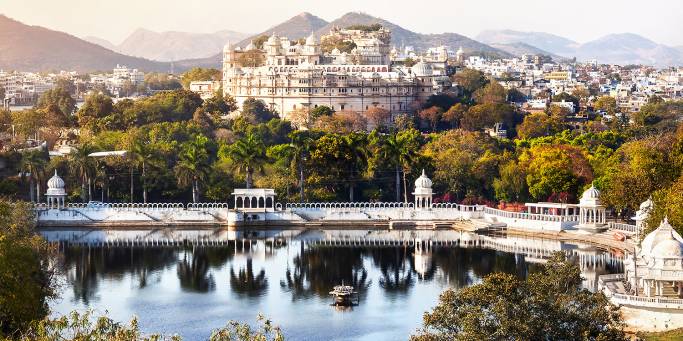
point(423, 257)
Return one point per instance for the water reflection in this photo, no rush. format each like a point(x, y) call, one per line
point(398, 274)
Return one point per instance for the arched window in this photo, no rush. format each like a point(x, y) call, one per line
point(261, 202)
point(254, 202)
point(239, 203)
point(269, 202)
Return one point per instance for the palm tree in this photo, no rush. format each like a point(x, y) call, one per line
point(193, 163)
point(400, 149)
point(247, 154)
point(33, 163)
point(356, 157)
point(247, 282)
point(82, 164)
point(140, 152)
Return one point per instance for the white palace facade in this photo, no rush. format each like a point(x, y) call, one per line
point(292, 76)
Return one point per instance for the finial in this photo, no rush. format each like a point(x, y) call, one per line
point(423, 172)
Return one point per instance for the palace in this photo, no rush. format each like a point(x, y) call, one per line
point(289, 76)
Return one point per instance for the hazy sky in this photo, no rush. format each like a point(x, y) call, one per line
point(581, 20)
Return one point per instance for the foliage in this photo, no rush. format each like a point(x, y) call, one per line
point(548, 305)
point(58, 97)
point(366, 28)
point(470, 80)
point(607, 104)
point(491, 93)
point(25, 271)
point(256, 111)
point(161, 81)
point(328, 44)
point(251, 58)
point(200, 74)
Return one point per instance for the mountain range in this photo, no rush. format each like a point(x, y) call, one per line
point(34, 48)
point(305, 23)
point(622, 48)
point(171, 46)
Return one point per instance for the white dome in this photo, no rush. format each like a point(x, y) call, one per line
point(250, 47)
point(422, 69)
point(591, 193)
point(647, 204)
point(273, 40)
point(423, 181)
point(662, 233)
point(670, 248)
point(55, 186)
point(311, 40)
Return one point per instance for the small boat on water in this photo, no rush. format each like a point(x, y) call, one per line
point(343, 295)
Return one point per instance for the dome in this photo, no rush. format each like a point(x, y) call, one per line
point(311, 40)
point(670, 248)
point(422, 69)
point(647, 204)
point(273, 40)
point(591, 194)
point(55, 186)
point(227, 47)
point(250, 47)
point(423, 181)
point(662, 233)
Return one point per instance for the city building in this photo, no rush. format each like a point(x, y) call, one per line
point(290, 76)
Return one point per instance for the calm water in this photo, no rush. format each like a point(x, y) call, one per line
point(194, 288)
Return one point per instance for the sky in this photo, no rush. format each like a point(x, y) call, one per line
point(580, 20)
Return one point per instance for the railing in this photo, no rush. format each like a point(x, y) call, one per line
point(127, 206)
point(207, 206)
point(619, 298)
point(623, 227)
point(379, 206)
point(531, 216)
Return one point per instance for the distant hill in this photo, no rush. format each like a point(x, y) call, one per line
point(102, 42)
point(518, 49)
point(623, 48)
point(544, 41)
point(628, 48)
point(300, 26)
point(171, 46)
point(297, 27)
point(402, 37)
point(34, 48)
point(303, 24)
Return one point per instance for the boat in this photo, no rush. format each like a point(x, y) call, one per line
point(343, 295)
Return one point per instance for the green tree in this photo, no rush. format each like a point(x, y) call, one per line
point(549, 305)
point(25, 270)
point(511, 185)
point(400, 150)
point(81, 164)
point(33, 164)
point(256, 111)
point(470, 80)
point(193, 162)
point(537, 125)
point(247, 154)
point(492, 93)
point(59, 97)
point(200, 74)
point(94, 110)
point(251, 58)
point(607, 104)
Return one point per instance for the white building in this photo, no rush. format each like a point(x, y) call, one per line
point(294, 76)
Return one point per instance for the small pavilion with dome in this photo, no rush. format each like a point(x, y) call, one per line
point(423, 192)
point(657, 267)
point(592, 214)
point(56, 193)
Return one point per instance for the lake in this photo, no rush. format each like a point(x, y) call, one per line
point(193, 281)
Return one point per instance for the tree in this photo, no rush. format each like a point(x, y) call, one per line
point(607, 104)
point(470, 80)
point(260, 40)
point(81, 164)
point(237, 331)
point(320, 111)
point(192, 166)
point(486, 115)
point(33, 163)
point(378, 118)
point(537, 125)
point(400, 150)
point(95, 108)
point(511, 185)
point(256, 111)
point(219, 104)
point(59, 97)
point(432, 116)
point(556, 169)
point(200, 74)
point(548, 305)
point(492, 93)
point(567, 98)
point(342, 122)
point(251, 58)
point(454, 114)
point(25, 270)
point(28, 123)
point(161, 81)
point(248, 154)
